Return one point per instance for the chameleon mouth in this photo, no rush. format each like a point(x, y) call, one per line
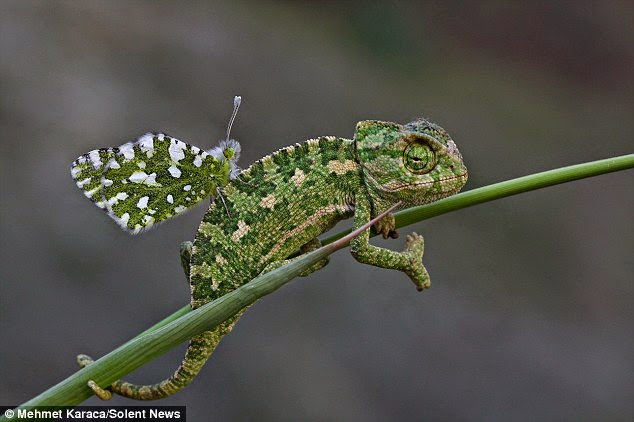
point(456, 182)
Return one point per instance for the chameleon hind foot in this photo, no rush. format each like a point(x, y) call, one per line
point(83, 361)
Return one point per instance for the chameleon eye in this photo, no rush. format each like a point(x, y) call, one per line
point(419, 158)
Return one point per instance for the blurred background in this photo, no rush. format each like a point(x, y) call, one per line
point(530, 312)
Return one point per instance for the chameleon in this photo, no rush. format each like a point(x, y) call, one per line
point(285, 200)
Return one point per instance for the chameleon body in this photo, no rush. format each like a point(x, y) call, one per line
point(285, 200)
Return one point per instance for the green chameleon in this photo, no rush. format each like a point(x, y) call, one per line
point(283, 201)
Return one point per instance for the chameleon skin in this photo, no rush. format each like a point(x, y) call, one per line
point(285, 200)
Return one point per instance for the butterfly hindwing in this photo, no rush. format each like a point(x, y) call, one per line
point(147, 181)
point(87, 169)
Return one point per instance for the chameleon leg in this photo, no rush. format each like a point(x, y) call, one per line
point(409, 261)
point(309, 246)
point(198, 351)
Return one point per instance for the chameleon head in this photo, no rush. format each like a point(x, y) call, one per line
point(416, 163)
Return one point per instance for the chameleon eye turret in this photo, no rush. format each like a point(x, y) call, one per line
point(419, 157)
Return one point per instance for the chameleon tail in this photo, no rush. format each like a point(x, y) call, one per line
point(198, 351)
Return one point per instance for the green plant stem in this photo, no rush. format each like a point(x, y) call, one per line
point(184, 324)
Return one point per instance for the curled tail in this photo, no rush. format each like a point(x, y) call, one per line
point(198, 351)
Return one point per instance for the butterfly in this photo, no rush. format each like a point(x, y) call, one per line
point(155, 177)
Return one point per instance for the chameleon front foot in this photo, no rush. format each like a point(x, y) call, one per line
point(103, 394)
point(414, 249)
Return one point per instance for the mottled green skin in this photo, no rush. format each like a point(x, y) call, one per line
point(285, 200)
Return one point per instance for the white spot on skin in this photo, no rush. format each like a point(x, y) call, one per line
point(187, 187)
point(243, 228)
point(142, 202)
point(170, 199)
point(174, 171)
point(176, 150)
point(127, 150)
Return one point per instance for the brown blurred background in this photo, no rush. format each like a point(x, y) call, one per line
point(530, 312)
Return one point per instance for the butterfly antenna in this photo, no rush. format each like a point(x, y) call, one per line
point(219, 194)
point(236, 105)
point(242, 180)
